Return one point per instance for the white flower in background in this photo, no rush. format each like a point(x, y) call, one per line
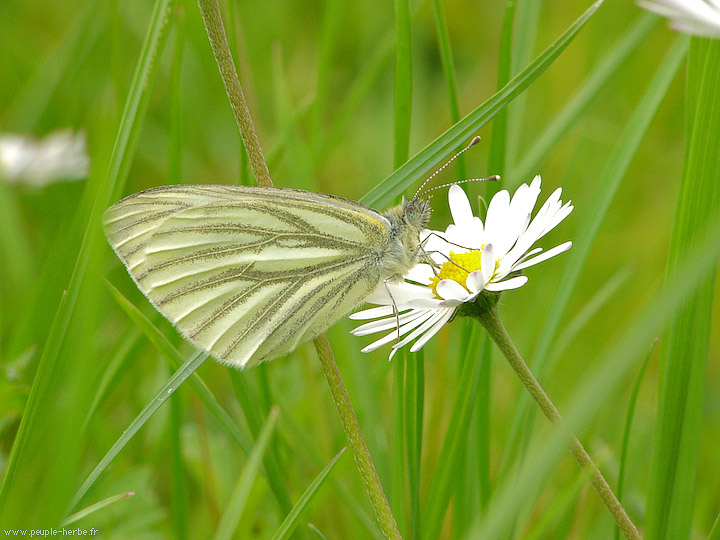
point(698, 17)
point(62, 155)
point(468, 258)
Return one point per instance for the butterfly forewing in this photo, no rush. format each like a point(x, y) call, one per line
point(248, 273)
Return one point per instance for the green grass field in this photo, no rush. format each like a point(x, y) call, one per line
point(364, 100)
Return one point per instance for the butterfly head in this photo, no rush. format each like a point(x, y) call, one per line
point(416, 213)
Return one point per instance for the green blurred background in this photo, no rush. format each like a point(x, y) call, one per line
point(319, 79)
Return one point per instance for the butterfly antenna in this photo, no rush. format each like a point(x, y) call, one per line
point(474, 141)
point(493, 178)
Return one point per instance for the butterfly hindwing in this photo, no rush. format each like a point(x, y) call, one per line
point(248, 273)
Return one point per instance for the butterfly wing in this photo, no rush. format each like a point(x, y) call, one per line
point(248, 273)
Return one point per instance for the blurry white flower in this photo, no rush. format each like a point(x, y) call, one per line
point(62, 155)
point(468, 258)
point(698, 17)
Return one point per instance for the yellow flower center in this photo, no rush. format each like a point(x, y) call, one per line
point(457, 268)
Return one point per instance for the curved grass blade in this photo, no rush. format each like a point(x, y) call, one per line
point(95, 507)
point(715, 531)
point(185, 371)
point(291, 521)
point(440, 148)
point(628, 427)
point(317, 532)
point(238, 499)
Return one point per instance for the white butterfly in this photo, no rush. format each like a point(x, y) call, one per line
point(250, 273)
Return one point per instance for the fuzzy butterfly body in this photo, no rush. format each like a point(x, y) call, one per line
point(250, 273)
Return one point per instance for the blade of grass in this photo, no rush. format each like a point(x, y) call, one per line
point(172, 384)
point(403, 81)
point(397, 465)
point(419, 165)
point(583, 316)
point(526, 29)
point(307, 445)
point(628, 427)
point(414, 404)
point(498, 141)
point(271, 459)
point(172, 355)
point(597, 79)
point(77, 516)
point(330, 26)
point(715, 531)
point(297, 150)
point(609, 183)
point(446, 470)
point(292, 519)
point(179, 507)
point(233, 512)
point(561, 505)
point(684, 350)
point(16, 258)
point(448, 66)
point(127, 343)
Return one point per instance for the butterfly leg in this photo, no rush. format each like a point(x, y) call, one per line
point(396, 312)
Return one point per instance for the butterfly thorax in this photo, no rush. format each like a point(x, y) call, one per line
point(407, 220)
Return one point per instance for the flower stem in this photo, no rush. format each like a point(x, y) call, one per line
point(210, 11)
point(494, 326)
point(357, 442)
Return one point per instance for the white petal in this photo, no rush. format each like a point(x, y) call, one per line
point(545, 256)
point(487, 262)
point(459, 206)
point(424, 303)
point(512, 283)
point(372, 313)
point(449, 289)
point(497, 215)
point(386, 324)
point(431, 332)
point(403, 330)
point(475, 281)
point(427, 323)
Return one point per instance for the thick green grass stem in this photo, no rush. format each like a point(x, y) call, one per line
point(357, 442)
point(210, 11)
point(490, 319)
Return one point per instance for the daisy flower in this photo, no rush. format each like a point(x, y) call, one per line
point(61, 155)
point(698, 17)
point(468, 258)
